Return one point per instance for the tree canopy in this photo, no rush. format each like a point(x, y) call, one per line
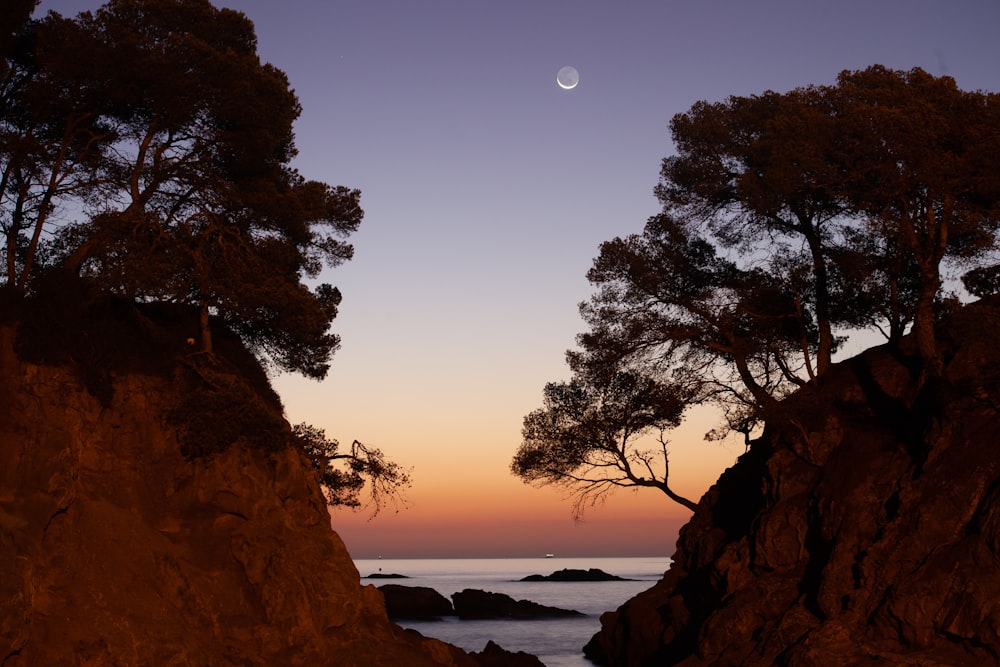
point(812, 184)
point(585, 437)
point(789, 221)
point(146, 149)
point(347, 477)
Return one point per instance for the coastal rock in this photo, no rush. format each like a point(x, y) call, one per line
point(495, 656)
point(116, 549)
point(472, 603)
point(567, 574)
point(863, 526)
point(415, 603)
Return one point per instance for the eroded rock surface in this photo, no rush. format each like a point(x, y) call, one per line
point(115, 549)
point(863, 527)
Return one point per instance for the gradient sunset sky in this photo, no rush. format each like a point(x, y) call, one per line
point(487, 190)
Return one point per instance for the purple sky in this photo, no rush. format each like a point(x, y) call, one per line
point(487, 190)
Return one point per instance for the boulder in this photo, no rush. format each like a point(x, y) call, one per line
point(472, 603)
point(415, 603)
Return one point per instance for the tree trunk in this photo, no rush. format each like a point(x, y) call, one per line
point(929, 256)
point(766, 402)
point(678, 499)
point(895, 312)
point(824, 351)
point(923, 323)
point(206, 329)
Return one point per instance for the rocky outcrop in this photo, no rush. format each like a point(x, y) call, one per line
point(864, 526)
point(420, 603)
point(415, 603)
point(495, 656)
point(475, 604)
point(117, 549)
point(568, 574)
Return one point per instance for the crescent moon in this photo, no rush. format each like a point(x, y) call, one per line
point(567, 78)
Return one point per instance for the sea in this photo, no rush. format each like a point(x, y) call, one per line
point(557, 642)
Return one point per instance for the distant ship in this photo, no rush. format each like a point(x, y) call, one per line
point(550, 555)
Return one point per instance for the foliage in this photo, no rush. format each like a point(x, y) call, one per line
point(343, 476)
point(788, 221)
point(850, 196)
point(585, 438)
point(667, 300)
point(52, 135)
point(147, 150)
point(222, 411)
point(752, 174)
point(921, 159)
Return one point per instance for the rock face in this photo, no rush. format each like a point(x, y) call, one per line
point(116, 549)
point(863, 526)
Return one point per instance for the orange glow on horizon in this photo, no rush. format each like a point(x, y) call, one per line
point(464, 501)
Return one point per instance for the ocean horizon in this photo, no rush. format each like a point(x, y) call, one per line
point(557, 642)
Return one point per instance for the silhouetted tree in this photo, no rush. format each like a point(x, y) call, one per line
point(53, 135)
point(789, 220)
point(899, 167)
point(921, 165)
point(344, 476)
point(157, 120)
point(754, 174)
point(585, 438)
point(668, 302)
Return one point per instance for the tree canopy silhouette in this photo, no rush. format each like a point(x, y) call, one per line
point(146, 149)
point(585, 437)
point(789, 220)
point(812, 184)
point(344, 475)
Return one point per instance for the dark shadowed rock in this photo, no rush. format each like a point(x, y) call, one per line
point(496, 656)
point(593, 574)
point(863, 527)
point(472, 603)
point(117, 549)
point(379, 575)
point(415, 603)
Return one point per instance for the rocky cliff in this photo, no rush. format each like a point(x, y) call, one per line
point(120, 545)
point(863, 527)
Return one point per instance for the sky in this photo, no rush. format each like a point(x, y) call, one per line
point(487, 190)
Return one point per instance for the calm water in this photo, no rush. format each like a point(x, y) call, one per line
point(557, 642)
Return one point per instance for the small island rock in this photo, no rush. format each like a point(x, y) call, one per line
point(475, 604)
point(494, 655)
point(593, 574)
